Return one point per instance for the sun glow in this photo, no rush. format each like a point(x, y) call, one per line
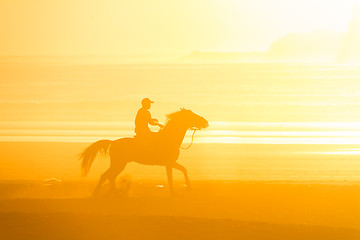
point(305, 15)
point(266, 146)
point(206, 25)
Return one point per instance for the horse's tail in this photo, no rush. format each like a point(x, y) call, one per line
point(91, 152)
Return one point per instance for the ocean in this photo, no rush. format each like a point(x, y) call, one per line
point(286, 122)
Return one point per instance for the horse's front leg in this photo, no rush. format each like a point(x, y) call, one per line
point(184, 171)
point(170, 178)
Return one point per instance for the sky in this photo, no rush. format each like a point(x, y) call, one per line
point(156, 27)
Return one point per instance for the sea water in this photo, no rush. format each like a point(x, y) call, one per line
point(302, 118)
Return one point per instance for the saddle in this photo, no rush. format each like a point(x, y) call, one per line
point(147, 140)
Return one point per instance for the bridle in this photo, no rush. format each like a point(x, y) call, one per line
point(192, 139)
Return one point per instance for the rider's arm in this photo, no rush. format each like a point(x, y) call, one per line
point(155, 122)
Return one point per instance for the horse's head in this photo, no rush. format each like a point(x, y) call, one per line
point(189, 119)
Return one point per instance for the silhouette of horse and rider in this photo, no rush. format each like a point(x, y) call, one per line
point(147, 147)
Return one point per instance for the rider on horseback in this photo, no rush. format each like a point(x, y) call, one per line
point(143, 119)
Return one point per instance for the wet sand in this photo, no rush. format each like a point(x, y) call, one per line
point(84, 226)
point(217, 207)
point(213, 210)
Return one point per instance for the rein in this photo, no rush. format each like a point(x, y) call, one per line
point(192, 140)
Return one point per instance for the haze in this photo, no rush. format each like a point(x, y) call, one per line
point(114, 27)
point(277, 81)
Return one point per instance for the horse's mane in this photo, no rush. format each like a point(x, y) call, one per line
point(175, 115)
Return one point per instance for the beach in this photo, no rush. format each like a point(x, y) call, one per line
point(238, 191)
point(278, 161)
point(213, 210)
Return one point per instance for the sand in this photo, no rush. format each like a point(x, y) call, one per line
point(213, 210)
point(217, 208)
point(83, 226)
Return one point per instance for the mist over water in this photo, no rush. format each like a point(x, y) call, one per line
point(304, 106)
point(225, 92)
point(59, 100)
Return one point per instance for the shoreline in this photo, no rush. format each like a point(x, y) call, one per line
point(225, 162)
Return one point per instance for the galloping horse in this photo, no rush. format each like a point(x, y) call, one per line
point(162, 149)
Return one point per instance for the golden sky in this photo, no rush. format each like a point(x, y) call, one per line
point(81, 27)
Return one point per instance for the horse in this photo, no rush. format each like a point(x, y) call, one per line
point(162, 148)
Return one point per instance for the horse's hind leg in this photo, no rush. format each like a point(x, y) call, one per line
point(110, 174)
point(103, 178)
point(114, 171)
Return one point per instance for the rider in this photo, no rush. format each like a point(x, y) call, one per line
point(143, 119)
